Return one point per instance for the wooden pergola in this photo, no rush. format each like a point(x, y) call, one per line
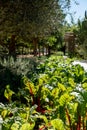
point(69, 39)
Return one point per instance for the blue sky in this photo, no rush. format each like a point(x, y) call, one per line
point(79, 9)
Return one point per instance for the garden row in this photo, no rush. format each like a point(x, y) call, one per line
point(51, 95)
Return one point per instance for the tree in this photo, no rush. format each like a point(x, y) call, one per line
point(31, 19)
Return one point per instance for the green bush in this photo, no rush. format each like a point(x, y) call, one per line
point(12, 71)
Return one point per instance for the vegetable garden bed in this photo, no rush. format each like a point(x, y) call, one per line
point(56, 98)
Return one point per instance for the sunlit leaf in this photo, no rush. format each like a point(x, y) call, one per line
point(84, 85)
point(71, 82)
point(58, 124)
point(8, 93)
point(4, 113)
point(61, 87)
point(55, 92)
point(15, 126)
point(44, 118)
point(27, 126)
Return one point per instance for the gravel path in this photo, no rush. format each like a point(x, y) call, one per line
point(83, 63)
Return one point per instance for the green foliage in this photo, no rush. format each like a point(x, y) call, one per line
point(8, 93)
point(19, 118)
point(81, 39)
point(12, 71)
point(39, 18)
point(56, 99)
point(57, 124)
point(51, 40)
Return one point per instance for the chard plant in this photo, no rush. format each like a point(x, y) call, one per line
point(56, 99)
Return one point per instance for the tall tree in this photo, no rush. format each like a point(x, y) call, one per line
point(31, 19)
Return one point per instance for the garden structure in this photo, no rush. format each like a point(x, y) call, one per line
point(69, 39)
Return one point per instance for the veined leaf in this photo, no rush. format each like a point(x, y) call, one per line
point(8, 93)
point(75, 107)
point(84, 85)
point(55, 92)
point(15, 126)
point(44, 118)
point(58, 124)
point(61, 87)
point(45, 92)
point(65, 98)
point(40, 81)
point(30, 86)
point(27, 126)
point(71, 82)
point(43, 78)
point(4, 113)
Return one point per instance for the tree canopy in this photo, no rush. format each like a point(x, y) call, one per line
point(30, 18)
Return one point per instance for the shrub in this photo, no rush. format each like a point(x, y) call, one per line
point(12, 71)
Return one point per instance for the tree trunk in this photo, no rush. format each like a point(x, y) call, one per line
point(49, 50)
point(35, 42)
point(12, 46)
point(39, 50)
point(43, 50)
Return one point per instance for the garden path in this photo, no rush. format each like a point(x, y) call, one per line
point(83, 63)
